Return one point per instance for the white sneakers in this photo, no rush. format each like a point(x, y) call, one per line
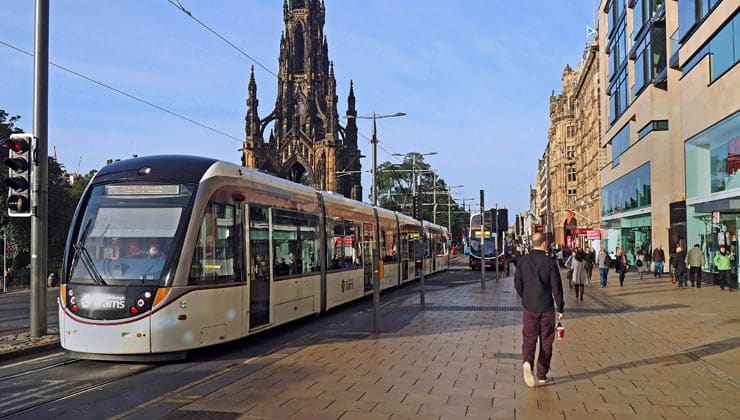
point(528, 375)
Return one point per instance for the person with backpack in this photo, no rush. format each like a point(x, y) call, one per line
point(603, 260)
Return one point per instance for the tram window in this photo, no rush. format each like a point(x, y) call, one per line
point(388, 245)
point(295, 242)
point(343, 248)
point(217, 255)
point(259, 241)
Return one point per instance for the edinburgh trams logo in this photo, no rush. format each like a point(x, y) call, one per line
point(102, 301)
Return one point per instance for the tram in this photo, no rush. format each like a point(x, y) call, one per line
point(167, 254)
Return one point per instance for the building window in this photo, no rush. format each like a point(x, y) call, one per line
point(570, 152)
point(571, 173)
point(713, 159)
point(691, 13)
point(650, 58)
point(618, 96)
point(723, 49)
point(644, 12)
point(571, 197)
point(620, 143)
point(655, 125)
point(570, 131)
point(630, 192)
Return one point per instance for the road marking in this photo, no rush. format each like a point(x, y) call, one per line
point(170, 396)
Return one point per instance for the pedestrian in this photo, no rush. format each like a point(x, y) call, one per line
point(537, 282)
point(659, 260)
point(590, 262)
point(695, 260)
point(580, 274)
point(621, 265)
point(9, 275)
point(603, 260)
point(641, 264)
point(723, 262)
point(678, 262)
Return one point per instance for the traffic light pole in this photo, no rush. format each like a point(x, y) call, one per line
point(482, 243)
point(40, 155)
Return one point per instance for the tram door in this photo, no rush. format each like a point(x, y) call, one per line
point(259, 279)
point(367, 256)
point(404, 248)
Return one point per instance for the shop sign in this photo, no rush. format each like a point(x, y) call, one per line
point(593, 234)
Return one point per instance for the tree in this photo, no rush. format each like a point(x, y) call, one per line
point(16, 230)
point(60, 208)
point(395, 185)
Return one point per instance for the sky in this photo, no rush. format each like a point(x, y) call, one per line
point(473, 76)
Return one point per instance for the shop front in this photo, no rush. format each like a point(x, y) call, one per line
point(713, 189)
point(626, 213)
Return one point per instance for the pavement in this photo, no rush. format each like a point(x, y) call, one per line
point(646, 350)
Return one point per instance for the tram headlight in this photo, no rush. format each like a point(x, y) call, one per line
point(140, 303)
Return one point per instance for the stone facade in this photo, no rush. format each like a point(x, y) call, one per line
point(306, 142)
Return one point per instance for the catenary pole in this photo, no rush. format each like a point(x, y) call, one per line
point(39, 192)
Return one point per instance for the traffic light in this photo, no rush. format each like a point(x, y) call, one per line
point(20, 171)
point(416, 210)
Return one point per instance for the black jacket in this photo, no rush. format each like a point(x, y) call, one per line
point(537, 281)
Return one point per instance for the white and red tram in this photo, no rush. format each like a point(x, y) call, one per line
point(170, 253)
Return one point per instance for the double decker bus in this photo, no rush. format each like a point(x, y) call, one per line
point(481, 232)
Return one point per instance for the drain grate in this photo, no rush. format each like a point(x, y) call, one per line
point(201, 415)
point(471, 308)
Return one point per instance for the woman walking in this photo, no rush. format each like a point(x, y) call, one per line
point(641, 264)
point(580, 275)
point(621, 265)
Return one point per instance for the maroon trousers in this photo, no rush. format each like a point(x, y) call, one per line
point(538, 325)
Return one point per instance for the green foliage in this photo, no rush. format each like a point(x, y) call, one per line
point(61, 198)
point(395, 184)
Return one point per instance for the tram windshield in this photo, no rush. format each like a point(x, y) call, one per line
point(127, 233)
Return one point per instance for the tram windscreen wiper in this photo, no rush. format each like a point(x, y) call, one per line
point(81, 254)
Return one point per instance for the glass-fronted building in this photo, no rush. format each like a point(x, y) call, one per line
point(626, 213)
point(713, 187)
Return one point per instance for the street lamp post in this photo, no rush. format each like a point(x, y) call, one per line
point(376, 231)
point(449, 204)
point(421, 220)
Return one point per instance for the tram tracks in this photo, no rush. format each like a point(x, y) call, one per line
point(41, 386)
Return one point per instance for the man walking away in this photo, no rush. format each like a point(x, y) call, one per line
point(659, 260)
point(679, 266)
point(538, 284)
point(695, 261)
point(723, 261)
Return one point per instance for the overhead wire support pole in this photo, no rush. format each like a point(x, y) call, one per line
point(39, 192)
point(376, 230)
point(376, 233)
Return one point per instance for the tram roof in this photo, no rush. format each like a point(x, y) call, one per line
point(181, 167)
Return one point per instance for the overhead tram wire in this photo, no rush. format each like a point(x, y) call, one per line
point(182, 8)
point(176, 4)
point(129, 95)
